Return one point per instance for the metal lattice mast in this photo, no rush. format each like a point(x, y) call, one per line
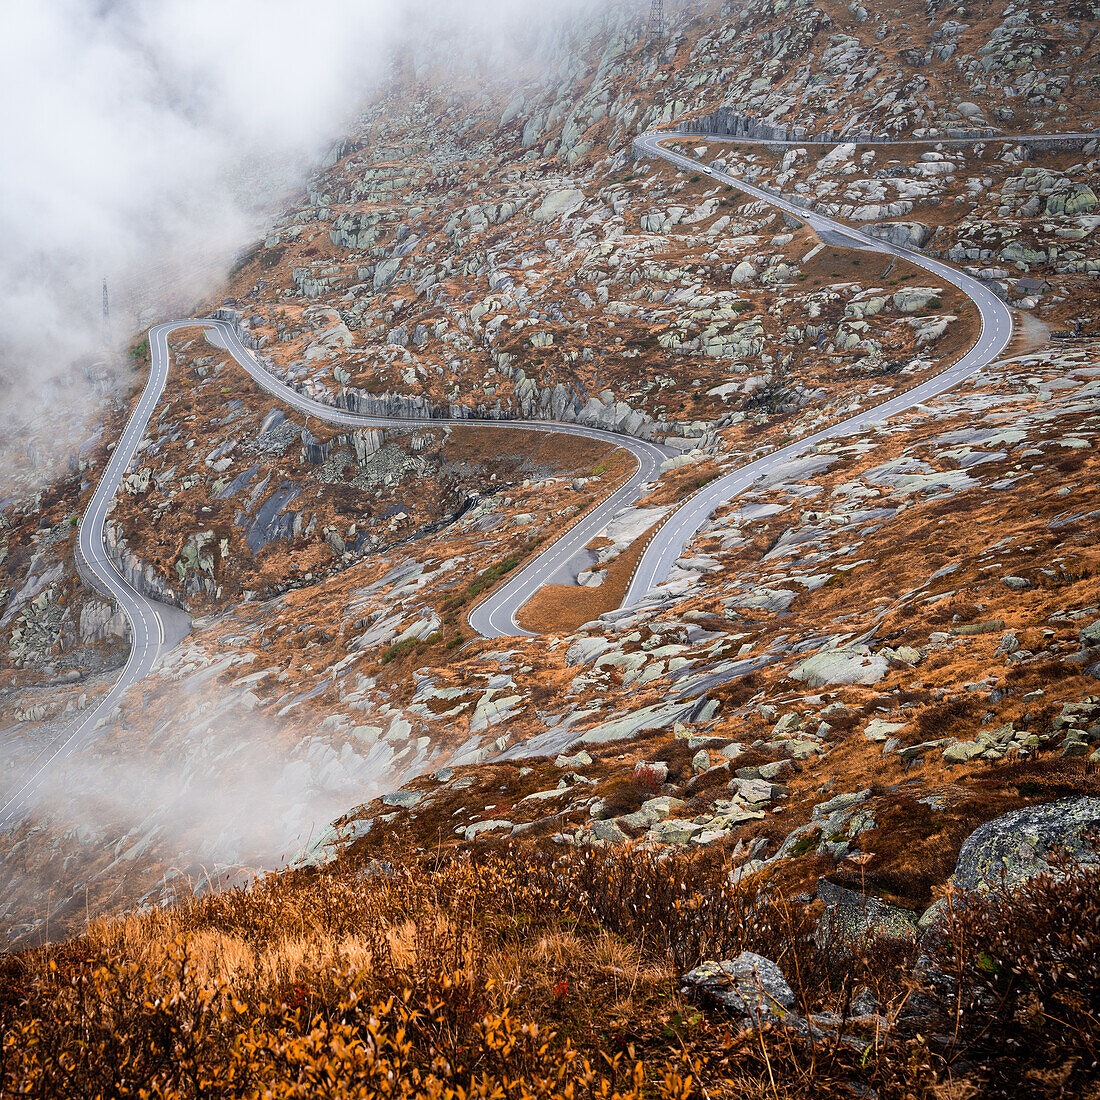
point(106, 313)
point(656, 18)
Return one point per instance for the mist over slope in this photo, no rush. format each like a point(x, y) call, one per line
point(145, 144)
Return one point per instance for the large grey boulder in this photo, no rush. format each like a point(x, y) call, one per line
point(608, 831)
point(913, 299)
point(852, 919)
point(1090, 635)
point(1018, 845)
point(404, 800)
point(905, 234)
point(750, 986)
point(841, 666)
point(654, 717)
point(744, 272)
point(557, 203)
point(479, 827)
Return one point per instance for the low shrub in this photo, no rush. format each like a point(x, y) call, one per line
point(542, 972)
point(1024, 968)
point(937, 720)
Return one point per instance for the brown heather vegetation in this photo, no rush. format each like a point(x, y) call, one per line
point(535, 974)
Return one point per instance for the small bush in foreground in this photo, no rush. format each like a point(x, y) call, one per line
point(1025, 966)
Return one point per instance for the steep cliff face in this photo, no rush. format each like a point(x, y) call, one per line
point(50, 622)
point(142, 577)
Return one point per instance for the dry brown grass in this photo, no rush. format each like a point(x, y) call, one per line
point(562, 608)
point(523, 975)
point(941, 719)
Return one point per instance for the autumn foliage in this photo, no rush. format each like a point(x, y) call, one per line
point(538, 974)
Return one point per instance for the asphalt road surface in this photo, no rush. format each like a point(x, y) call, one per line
point(996, 332)
point(495, 616)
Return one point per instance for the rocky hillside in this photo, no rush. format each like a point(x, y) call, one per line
point(866, 678)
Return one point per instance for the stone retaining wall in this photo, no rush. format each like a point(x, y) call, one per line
point(728, 123)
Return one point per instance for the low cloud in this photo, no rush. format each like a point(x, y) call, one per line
point(196, 802)
point(146, 142)
point(142, 143)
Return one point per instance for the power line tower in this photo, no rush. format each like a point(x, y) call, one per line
point(656, 19)
point(106, 313)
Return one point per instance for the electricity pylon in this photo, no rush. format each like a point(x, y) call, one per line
point(656, 19)
point(106, 314)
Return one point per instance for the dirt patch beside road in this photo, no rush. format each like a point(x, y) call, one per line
point(561, 608)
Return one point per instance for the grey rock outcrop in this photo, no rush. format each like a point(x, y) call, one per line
point(1018, 845)
point(841, 666)
point(852, 919)
point(141, 577)
point(102, 620)
point(752, 987)
point(557, 402)
point(903, 234)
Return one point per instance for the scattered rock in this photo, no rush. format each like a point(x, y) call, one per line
point(479, 827)
point(914, 299)
point(608, 831)
point(580, 760)
point(840, 802)
point(557, 203)
point(404, 800)
point(905, 234)
point(879, 730)
point(989, 626)
point(676, 831)
point(752, 987)
point(852, 919)
point(962, 752)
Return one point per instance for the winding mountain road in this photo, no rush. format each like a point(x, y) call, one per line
point(996, 332)
point(147, 623)
point(495, 616)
